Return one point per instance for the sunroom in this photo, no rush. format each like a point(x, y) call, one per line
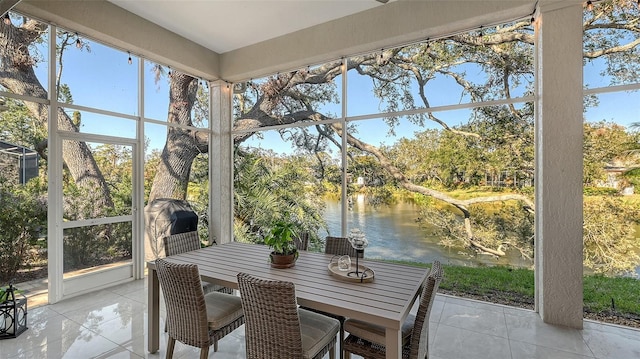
point(235, 109)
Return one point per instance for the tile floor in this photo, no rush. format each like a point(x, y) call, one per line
point(112, 323)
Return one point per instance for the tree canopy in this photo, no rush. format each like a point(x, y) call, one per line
point(485, 65)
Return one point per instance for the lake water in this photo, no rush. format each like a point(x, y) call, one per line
point(393, 233)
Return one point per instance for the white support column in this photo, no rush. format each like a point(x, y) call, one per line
point(55, 245)
point(220, 164)
point(138, 237)
point(558, 189)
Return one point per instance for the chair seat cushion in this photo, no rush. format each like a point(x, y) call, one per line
point(376, 333)
point(317, 331)
point(222, 309)
point(211, 287)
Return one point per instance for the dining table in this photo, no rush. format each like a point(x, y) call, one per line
point(385, 300)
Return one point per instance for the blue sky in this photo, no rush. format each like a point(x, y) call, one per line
point(108, 70)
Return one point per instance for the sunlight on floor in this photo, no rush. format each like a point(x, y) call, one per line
point(112, 323)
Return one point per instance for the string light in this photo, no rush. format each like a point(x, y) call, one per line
point(130, 61)
point(78, 41)
point(589, 5)
point(7, 19)
point(170, 74)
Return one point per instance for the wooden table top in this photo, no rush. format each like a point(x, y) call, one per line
point(385, 301)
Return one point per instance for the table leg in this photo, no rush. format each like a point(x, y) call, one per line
point(393, 343)
point(153, 310)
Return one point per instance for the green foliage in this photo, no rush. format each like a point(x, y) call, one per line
point(502, 147)
point(198, 194)
point(633, 176)
point(4, 293)
point(23, 218)
point(604, 142)
point(269, 189)
point(599, 191)
point(116, 164)
point(92, 245)
point(18, 126)
point(281, 237)
point(517, 285)
point(200, 115)
point(606, 294)
point(152, 162)
point(487, 281)
point(96, 245)
point(503, 226)
point(610, 245)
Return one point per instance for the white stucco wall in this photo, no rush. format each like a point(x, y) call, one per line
point(558, 190)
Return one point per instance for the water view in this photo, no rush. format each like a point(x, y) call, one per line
point(394, 233)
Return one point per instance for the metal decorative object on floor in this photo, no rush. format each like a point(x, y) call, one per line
point(13, 315)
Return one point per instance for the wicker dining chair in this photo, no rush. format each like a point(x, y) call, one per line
point(186, 242)
point(276, 328)
point(368, 340)
point(302, 241)
point(340, 246)
point(194, 318)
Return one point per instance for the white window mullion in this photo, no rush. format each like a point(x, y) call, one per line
point(54, 212)
point(344, 203)
point(138, 183)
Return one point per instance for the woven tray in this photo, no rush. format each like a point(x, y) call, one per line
point(350, 275)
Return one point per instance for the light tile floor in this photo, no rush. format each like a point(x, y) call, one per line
point(112, 323)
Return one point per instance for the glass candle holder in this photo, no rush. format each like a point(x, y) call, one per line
point(344, 263)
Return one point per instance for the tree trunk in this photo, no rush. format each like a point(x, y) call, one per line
point(182, 145)
point(18, 76)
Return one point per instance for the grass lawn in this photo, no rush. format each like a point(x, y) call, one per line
point(614, 300)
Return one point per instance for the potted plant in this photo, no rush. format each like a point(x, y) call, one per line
point(281, 240)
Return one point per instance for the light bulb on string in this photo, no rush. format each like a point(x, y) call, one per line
point(589, 5)
point(170, 74)
point(129, 60)
point(78, 41)
point(6, 19)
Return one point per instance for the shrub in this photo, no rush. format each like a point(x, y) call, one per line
point(600, 191)
point(22, 218)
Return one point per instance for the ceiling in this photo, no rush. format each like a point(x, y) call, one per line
point(226, 25)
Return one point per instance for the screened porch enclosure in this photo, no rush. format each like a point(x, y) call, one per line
point(250, 136)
